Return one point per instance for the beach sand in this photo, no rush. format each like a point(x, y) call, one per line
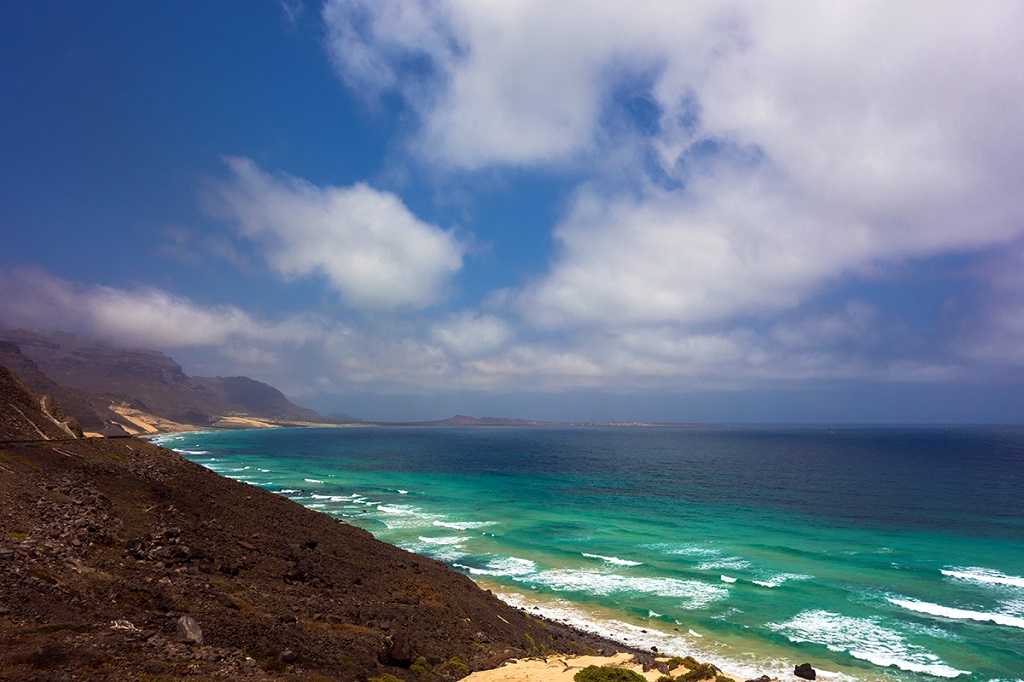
point(146, 424)
point(563, 668)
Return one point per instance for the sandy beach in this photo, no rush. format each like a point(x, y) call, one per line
point(147, 424)
point(563, 668)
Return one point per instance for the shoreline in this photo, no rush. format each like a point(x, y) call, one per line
point(651, 640)
point(642, 640)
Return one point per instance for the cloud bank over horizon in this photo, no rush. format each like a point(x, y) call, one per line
point(746, 195)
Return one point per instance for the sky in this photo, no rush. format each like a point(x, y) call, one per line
point(586, 211)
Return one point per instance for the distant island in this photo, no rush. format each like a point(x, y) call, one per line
point(463, 420)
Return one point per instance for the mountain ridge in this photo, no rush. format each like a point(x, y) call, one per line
point(116, 391)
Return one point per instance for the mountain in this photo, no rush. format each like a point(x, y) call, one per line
point(111, 389)
point(124, 561)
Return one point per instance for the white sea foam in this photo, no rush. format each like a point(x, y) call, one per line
point(613, 560)
point(288, 491)
point(866, 639)
point(780, 579)
point(396, 516)
point(727, 579)
point(448, 554)
point(730, 563)
point(983, 576)
point(403, 492)
point(1013, 607)
point(464, 525)
point(689, 550)
point(507, 566)
point(395, 509)
point(451, 540)
point(193, 452)
point(334, 498)
point(959, 614)
point(312, 480)
point(654, 614)
point(695, 634)
point(693, 593)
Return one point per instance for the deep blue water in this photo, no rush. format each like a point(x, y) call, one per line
point(873, 553)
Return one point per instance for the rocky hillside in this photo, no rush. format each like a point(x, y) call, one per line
point(103, 386)
point(120, 560)
point(28, 416)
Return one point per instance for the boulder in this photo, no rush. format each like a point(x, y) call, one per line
point(189, 630)
point(399, 650)
point(805, 671)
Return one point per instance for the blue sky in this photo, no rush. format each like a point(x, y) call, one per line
point(723, 211)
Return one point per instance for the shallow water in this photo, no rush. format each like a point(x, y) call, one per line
point(873, 553)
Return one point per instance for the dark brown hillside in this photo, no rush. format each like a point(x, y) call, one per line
point(106, 545)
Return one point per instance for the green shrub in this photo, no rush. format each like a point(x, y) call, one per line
point(703, 671)
point(456, 666)
point(690, 662)
point(674, 662)
point(386, 677)
point(723, 678)
point(607, 673)
point(665, 678)
point(420, 667)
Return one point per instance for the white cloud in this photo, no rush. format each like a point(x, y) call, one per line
point(799, 142)
point(364, 242)
point(305, 352)
point(141, 317)
point(468, 334)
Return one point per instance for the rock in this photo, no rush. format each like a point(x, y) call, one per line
point(399, 650)
point(763, 678)
point(189, 630)
point(233, 602)
point(288, 656)
point(299, 572)
point(805, 671)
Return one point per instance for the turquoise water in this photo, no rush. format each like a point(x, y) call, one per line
point(872, 553)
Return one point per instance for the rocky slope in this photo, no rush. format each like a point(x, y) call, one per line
point(120, 560)
point(103, 385)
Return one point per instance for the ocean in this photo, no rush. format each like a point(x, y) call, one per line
point(873, 553)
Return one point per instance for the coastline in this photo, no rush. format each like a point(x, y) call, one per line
point(148, 425)
point(645, 641)
point(650, 640)
point(416, 503)
point(844, 598)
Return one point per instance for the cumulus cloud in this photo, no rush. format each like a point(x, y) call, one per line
point(144, 317)
point(740, 169)
point(785, 146)
point(307, 353)
point(469, 334)
point(364, 242)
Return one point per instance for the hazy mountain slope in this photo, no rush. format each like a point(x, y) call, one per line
point(98, 380)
